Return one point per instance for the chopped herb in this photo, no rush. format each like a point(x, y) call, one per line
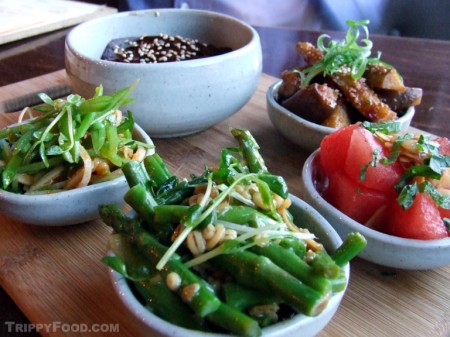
point(383, 127)
point(447, 223)
point(426, 145)
point(441, 200)
point(438, 163)
point(415, 171)
point(372, 163)
point(406, 195)
point(395, 151)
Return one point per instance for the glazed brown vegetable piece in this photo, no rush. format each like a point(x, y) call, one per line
point(401, 100)
point(289, 86)
point(357, 92)
point(309, 52)
point(319, 103)
point(380, 76)
point(363, 98)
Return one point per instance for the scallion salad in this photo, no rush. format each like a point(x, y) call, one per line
point(68, 143)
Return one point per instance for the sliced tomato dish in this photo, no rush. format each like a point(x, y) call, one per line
point(395, 183)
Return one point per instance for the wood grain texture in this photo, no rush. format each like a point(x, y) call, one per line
point(55, 274)
point(16, 96)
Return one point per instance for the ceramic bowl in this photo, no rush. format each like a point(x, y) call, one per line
point(304, 214)
point(172, 98)
point(382, 249)
point(302, 132)
point(68, 207)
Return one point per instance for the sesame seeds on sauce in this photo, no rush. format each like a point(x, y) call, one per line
point(159, 48)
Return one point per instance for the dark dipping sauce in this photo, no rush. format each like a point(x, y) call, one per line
point(158, 49)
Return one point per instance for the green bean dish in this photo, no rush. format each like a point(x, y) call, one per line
point(219, 251)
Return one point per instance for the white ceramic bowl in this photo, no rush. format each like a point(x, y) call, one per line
point(172, 98)
point(68, 207)
point(302, 132)
point(382, 249)
point(304, 214)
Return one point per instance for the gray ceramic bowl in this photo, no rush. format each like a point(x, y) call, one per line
point(382, 249)
point(172, 98)
point(304, 214)
point(302, 132)
point(68, 207)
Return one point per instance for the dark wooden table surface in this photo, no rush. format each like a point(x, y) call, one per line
point(422, 63)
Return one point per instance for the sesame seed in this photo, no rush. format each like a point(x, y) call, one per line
point(161, 48)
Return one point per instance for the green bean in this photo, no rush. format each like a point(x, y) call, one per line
point(295, 266)
point(324, 265)
point(234, 321)
point(193, 290)
point(157, 169)
point(241, 297)
point(142, 201)
point(244, 215)
point(294, 245)
point(135, 174)
point(250, 150)
point(261, 273)
point(350, 248)
point(169, 214)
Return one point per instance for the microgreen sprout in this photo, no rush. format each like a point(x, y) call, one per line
point(348, 54)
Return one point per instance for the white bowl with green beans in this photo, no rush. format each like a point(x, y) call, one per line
point(60, 165)
point(299, 324)
point(229, 251)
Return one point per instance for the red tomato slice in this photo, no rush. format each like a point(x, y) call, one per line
point(421, 221)
point(334, 149)
point(445, 145)
point(355, 201)
point(360, 153)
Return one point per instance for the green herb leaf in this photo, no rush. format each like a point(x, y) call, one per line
point(439, 163)
point(46, 99)
point(383, 127)
point(415, 171)
point(54, 150)
point(441, 200)
point(372, 163)
point(406, 196)
point(395, 151)
point(447, 223)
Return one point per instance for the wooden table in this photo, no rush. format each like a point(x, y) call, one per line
point(55, 274)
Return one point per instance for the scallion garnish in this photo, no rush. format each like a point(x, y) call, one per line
point(348, 54)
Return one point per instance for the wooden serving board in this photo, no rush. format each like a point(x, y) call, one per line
point(55, 275)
